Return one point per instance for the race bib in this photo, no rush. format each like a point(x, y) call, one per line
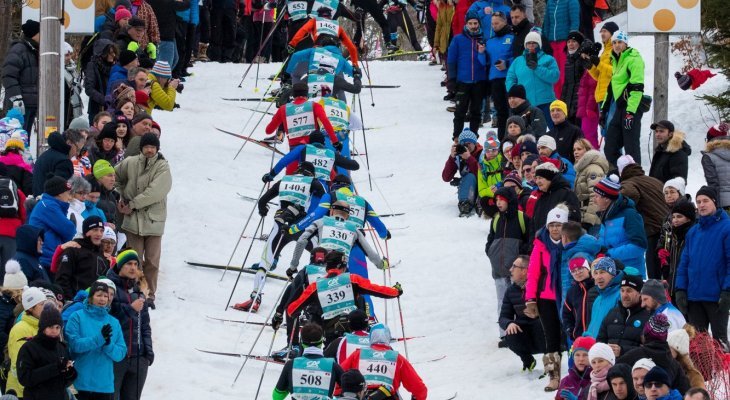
point(327, 27)
point(297, 10)
point(336, 296)
point(358, 207)
point(338, 235)
point(337, 113)
point(378, 366)
point(295, 189)
point(317, 81)
point(355, 342)
point(323, 161)
point(311, 378)
point(315, 272)
point(323, 59)
point(331, 4)
point(299, 120)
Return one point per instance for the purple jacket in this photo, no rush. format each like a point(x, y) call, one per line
point(576, 383)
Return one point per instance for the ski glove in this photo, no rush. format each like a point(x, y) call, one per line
point(387, 235)
point(681, 299)
point(628, 121)
point(724, 303)
point(277, 320)
point(151, 50)
point(455, 182)
point(567, 395)
point(381, 393)
point(290, 272)
point(268, 177)
point(106, 333)
point(18, 103)
point(663, 257)
point(385, 264)
point(338, 146)
point(290, 49)
point(263, 210)
point(356, 73)
point(531, 309)
point(399, 288)
point(531, 60)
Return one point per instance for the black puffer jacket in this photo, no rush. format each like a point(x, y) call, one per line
point(558, 192)
point(659, 352)
point(624, 327)
point(127, 292)
point(166, 17)
point(80, 267)
point(513, 310)
point(670, 159)
point(39, 369)
point(574, 70)
point(96, 76)
point(7, 316)
point(20, 72)
point(53, 161)
point(565, 134)
point(507, 238)
point(535, 122)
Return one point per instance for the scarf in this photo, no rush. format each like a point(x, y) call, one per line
point(599, 384)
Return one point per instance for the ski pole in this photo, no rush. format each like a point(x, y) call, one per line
point(268, 318)
point(139, 349)
point(243, 265)
point(365, 141)
point(258, 58)
point(367, 68)
point(402, 327)
point(266, 364)
point(261, 46)
point(291, 338)
point(242, 233)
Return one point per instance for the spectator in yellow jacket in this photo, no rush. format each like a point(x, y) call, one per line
point(602, 69)
point(33, 301)
point(162, 89)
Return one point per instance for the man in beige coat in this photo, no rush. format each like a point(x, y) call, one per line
point(144, 181)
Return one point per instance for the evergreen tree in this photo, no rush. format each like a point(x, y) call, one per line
point(716, 27)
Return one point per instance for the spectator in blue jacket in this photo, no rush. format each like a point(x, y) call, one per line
point(622, 227)
point(187, 21)
point(485, 10)
point(467, 69)
point(96, 343)
point(561, 17)
point(537, 72)
point(49, 214)
point(120, 71)
point(607, 292)
point(703, 274)
point(29, 246)
point(499, 49)
point(575, 242)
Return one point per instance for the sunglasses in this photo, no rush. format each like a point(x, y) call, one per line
point(517, 266)
point(650, 385)
point(492, 150)
point(527, 170)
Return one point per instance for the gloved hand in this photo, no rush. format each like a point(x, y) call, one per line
point(388, 235)
point(106, 333)
point(385, 264)
point(356, 73)
point(338, 146)
point(531, 60)
point(150, 355)
point(268, 177)
point(133, 46)
point(290, 49)
point(602, 118)
point(567, 395)
point(399, 288)
point(263, 210)
point(663, 257)
point(680, 296)
point(18, 103)
point(455, 182)
point(628, 120)
point(381, 393)
point(293, 230)
point(724, 304)
point(595, 60)
point(290, 272)
point(276, 321)
point(151, 50)
point(531, 309)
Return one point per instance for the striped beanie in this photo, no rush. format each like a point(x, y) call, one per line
point(162, 69)
point(125, 257)
point(467, 136)
point(608, 187)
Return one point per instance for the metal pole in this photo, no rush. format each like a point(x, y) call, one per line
point(243, 231)
point(661, 76)
point(365, 142)
point(243, 265)
point(49, 87)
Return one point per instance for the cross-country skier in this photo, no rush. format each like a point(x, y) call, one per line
point(297, 194)
point(323, 24)
point(358, 337)
point(330, 299)
point(398, 18)
point(384, 369)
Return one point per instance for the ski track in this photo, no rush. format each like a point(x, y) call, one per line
point(449, 293)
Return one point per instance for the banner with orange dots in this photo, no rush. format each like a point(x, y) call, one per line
point(78, 16)
point(664, 16)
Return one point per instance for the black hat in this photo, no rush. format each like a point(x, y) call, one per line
point(316, 137)
point(352, 381)
point(709, 192)
point(56, 185)
point(340, 181)
point(300, 89)
point(149, 139)
point(610, 26)
point(686, 208)
point(97, 286)
point(126, 57)
point(136, 22)
point(306, 166)
point(633, 281)
point(358, 320)
point(657, 374)
point(663, 124)
point(109, 131)
point(517, 91)
point(49, 317)
point(92, 222)
point(324, 12)
point(577, 36)
point(31, 28)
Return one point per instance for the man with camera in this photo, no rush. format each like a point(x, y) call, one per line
point(464, 160)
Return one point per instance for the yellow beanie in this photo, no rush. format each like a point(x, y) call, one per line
point(15, 141)
point(560, 105)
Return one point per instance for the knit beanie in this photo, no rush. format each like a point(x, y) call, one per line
point(380, 334)
point(623, 161)
point(108, 282)
point(102, 168)
point(467, 136)
point(139, 117)
point(577, 263)
point(109, 131)
point(352, 381)
point(97, 287)
point(15, 142)
point(491, 142)
point(49, 317)
point(109, 234)
point(126, 57)
point(718, 130)
point(517, 120)
point(620, 36)
point(686, 208)
point(560, 105)
point(655, 289)
point(657, 327)
point(709, 192)
point(533, 36)
point(547, 141)
point(300, 89)
point(517, 91)
point(577, 36)
point(601, 350)
point(583, 343)
point(30, 28)
point(657, 374)
point(547, 170)
point(136, 22)
point(633, 281)
point(678, 339)
point(92, 222)
point(608, 187)
point(14, 277)
point(149, 139)
point(162, 69)
point(121, 13)
point(32, 296)
point(677, 183)
point(558, 214)
point(316, 137)
point(80, 123)
point(125, 257)
point(56, 185)
point(528, 147)
point(358, 320)
point(644, 363)
point(507, 146)
point(607, 264)
point(513, 177)
point(610, 26)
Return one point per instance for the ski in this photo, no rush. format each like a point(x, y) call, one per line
point(265, 99)
point(430, 360)
point(254, 141)
point(252, 356)
point(236, 321)
point(380, 86)
point(453, 397)
point(255, 200)
point(258, 111)
point(400, 54)
point(236, 268)
point(391, 215)
point(262, 238)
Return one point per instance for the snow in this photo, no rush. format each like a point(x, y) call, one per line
point(449, 294)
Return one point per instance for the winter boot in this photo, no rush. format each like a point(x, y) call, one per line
point(528, 364)
point(281, 354)
point(203, 52)
point(552, 370)
point(465, 208)
point(392, 48)
point(254, 301)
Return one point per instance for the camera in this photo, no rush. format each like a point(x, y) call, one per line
point(481, 41)
point(460, 149)
point(180, 88)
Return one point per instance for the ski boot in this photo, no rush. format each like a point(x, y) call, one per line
point(529, 364)
point(392, 48)
point(281, 355)
point(465, 208)
point(252, 304)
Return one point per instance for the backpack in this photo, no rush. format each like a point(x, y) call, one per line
point(520, 218)
point(9, 202)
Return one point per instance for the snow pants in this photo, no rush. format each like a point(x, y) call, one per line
point(371, 7)
point(401, 19)
point(149, 249)
point(222, 34)
point(560, 57)
point(185, 40)
point(125, 378)
point(469, 98)
point(498, 92)
point(617, 136)
point(589, 126)
point(653, 267)
point(468, 188)
point(705, 314)
point(528, 342)
point(550, 324)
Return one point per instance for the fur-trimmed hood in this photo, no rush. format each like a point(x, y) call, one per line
point(592, 157)
point(722, 143)
point(676, 143)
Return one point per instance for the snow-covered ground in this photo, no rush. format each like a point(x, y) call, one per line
point(449, 294)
